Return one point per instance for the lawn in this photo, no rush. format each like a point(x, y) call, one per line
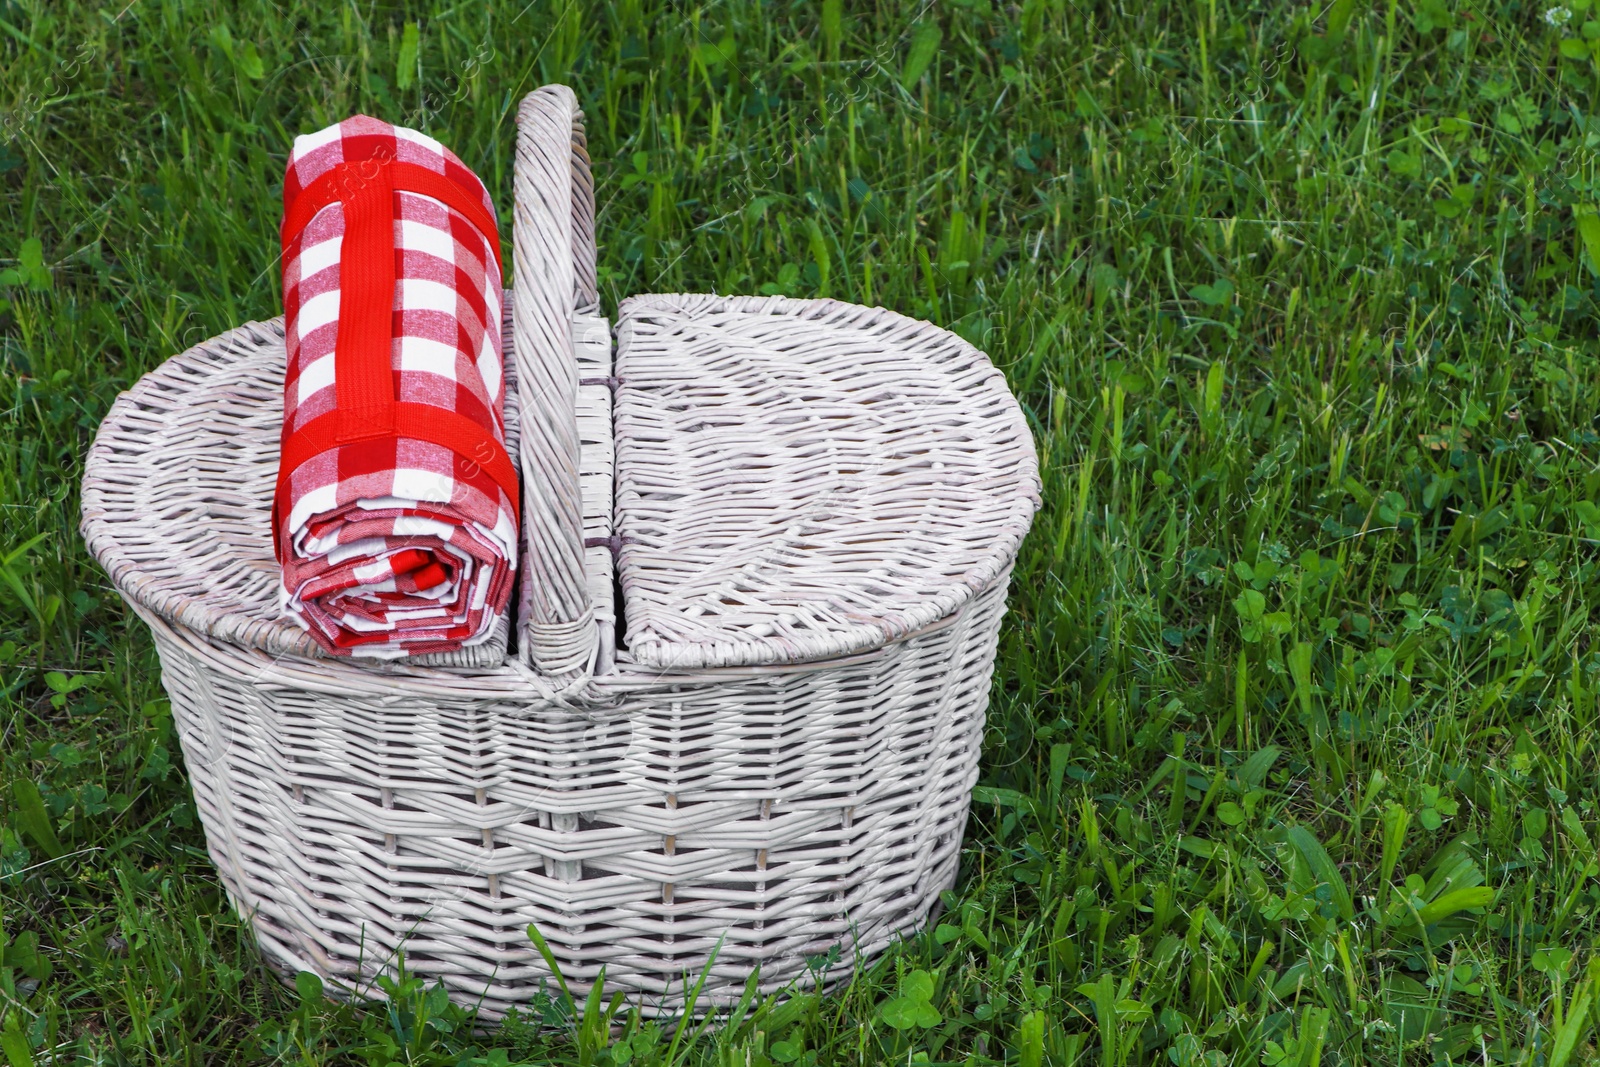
point(1291, 755)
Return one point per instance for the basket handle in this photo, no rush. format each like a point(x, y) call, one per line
point(554, 272)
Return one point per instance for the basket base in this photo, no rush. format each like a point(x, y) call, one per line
point(282, 962)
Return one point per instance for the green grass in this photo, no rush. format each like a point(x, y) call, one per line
point(1291, 757)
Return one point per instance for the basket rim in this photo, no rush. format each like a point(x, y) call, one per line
point(644, 663)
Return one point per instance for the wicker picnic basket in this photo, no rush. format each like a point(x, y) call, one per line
point(811, 509)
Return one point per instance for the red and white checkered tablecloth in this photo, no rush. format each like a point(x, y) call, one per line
point(396, 513)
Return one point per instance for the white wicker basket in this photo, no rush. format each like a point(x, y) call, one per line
point(813, 509)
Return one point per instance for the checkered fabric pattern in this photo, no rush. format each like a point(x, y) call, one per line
point(393, 546)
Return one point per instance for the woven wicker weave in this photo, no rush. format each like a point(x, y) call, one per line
point(814, 508)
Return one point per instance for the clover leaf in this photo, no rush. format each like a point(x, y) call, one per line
point(912, 1009)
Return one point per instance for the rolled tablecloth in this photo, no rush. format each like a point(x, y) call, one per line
point(396, 510)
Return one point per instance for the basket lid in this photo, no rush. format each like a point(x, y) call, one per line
point(177, 496)
point(806, 479)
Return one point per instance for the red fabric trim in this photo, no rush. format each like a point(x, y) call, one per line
point(403, 177)
point(363, 352)
point(475, 448)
